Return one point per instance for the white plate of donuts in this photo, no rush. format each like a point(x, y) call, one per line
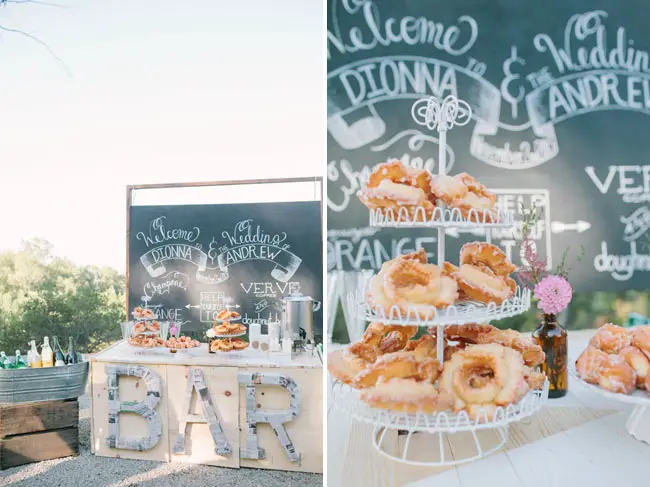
point(616, 363)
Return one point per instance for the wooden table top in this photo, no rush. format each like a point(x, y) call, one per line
point(580, 439)
point(125, 354)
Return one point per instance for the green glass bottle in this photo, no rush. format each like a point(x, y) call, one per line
point(20, 363)
point(71, 357)
point(4, 361)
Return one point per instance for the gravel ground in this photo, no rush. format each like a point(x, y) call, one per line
point(87, 470)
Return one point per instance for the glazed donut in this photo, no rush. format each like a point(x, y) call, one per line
point(388, 339)
point(474, 333)
point(374, 334)
point(376, 295)
point(647, 383)
point(363, 351)
point(140, 327)
point(406, 395)
point(641, 339)
point(344, 366)
point(394, 341)
point(411, 281)
point(479, 285)
point(222, 329)
point(490, 255)
point(533, 378)
point(398, 364)
point(589, 364)
point(394, 186)
point(611, 338)
point(616, 375)
point(636, 359)
point(478, 204)
point(484, 374)
point(414, 288)
point(239, 344)
point(397, 172)
point(448, 188)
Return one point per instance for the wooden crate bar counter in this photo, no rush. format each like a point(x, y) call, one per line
point(252, 410)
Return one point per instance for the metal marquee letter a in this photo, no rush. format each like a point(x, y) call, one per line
point(197, 381)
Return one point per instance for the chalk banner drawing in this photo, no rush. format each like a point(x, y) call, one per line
point(562, 105)
point(188, 263)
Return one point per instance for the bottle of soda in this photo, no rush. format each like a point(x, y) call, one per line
point(4, 361)
point(20, 363)
point(59, 356)
point(47, 356)
point(72, 353)
point(33, 358)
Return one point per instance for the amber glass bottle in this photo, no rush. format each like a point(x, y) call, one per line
point(552, 337)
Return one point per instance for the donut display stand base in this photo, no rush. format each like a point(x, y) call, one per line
point(638, 423)
point(489, 433)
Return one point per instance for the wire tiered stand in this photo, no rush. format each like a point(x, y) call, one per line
point(440, 115)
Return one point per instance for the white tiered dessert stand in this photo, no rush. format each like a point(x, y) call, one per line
point(440, 115)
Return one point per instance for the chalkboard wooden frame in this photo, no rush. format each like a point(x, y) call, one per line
point(129, 200)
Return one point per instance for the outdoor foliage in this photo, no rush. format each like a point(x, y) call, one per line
point(42, 295)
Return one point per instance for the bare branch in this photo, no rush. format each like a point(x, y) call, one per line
point(37, 40)
point(36, 2)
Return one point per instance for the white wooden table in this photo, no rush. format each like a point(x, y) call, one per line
point(580, 439)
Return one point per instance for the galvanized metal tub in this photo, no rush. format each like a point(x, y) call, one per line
point(45, 384)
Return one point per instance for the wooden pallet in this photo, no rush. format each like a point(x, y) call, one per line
point(38, 431)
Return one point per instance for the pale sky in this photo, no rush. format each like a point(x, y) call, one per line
point(158, 91)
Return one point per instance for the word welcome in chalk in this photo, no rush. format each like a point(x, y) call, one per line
point(158, 233)
point(374, 32)
point(621, 267)
point(166, 283)
point(632, 182)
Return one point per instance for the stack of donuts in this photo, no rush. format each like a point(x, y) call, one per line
point(617, 359)
point(414, 287)
point(393, 186)
point(483, 368)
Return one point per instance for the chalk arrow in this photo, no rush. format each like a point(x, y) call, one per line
point(232, 306)
point(192, 306)
point(579, 226)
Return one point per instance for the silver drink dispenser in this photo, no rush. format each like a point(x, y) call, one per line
point(298, 320)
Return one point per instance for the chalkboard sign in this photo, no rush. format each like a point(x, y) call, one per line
point(560, 92)
point(190, 261)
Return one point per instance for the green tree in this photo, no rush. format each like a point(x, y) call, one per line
point(43, 295)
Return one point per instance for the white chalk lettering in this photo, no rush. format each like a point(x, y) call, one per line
point(158, 233)
point(454, 39)
point(621, 267)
